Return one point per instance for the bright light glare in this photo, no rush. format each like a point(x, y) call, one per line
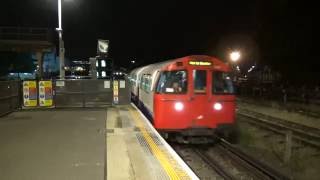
point(235, 56)
point(103, 74)
point(103, 63)
point(79, 68)
point(59, 14)
point(178, 106)
point(217, 106)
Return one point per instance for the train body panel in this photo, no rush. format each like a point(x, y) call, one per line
point(183, 94)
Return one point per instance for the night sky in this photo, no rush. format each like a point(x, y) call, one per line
point(279, 33)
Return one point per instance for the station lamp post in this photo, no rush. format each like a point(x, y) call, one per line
point(234, 57)
point(61, 43)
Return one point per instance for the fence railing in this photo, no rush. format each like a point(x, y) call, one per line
point(10, 96)
point(83, 93)
point(62, 93)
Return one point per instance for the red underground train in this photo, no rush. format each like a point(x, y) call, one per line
point(188, 99)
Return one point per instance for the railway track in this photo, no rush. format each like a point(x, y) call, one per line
point(230, 163)
point(305, 134)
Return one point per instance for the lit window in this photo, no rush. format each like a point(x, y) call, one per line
point(103, 63)
point(103, 74)
point(97, 74)
point(97, 64)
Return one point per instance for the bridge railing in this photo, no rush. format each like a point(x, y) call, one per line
point(25, 33)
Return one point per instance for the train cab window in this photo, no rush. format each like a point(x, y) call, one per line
point(222, 83)
point(200, 81)
point(172, 82)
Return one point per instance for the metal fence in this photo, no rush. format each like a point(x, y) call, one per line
point(10, 96)
point(83, 93)
point(68, 93)
point(124, 92)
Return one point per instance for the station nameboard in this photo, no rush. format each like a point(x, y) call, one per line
point(30, 93)
point(45, 93)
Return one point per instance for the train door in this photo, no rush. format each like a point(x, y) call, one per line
point(200, 81)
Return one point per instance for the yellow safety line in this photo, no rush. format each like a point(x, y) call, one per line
point(158, 153)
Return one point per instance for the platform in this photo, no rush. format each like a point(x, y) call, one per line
point(66, 144)
point(136, 151)
point(85, 143)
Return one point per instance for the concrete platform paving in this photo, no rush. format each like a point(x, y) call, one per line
point(51, 145)
point(82, 144)
point(136, 151)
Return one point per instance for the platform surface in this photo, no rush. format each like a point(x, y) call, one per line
point(51, 145)
point(80, 144)
point(136, 151)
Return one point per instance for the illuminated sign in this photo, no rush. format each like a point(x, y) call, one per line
point(200, 63)
point(103, 46)
point(116, 92)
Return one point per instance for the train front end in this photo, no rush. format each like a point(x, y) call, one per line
point(195, 97)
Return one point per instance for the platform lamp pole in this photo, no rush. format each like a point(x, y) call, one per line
point(234, 57)
point(61, 43)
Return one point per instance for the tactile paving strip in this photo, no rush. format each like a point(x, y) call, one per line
point(152, 143)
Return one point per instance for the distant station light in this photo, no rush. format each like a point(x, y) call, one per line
point(103, 63)
point(103, 74)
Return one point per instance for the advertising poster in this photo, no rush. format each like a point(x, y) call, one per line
point(30, 93)
point(45, 93)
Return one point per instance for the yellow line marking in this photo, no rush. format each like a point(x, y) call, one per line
point(161, 155)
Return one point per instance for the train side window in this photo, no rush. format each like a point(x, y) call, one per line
point(222, 83)
point(145, 82)
point(200, 81)
point(172, 82)
point(141, 82)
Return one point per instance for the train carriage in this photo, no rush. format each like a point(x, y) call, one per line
point(191, 96)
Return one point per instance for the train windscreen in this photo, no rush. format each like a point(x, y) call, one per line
point(172, 82)
point(222, 83)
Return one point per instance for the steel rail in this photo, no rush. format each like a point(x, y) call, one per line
point(265, 169)
point(214, 164)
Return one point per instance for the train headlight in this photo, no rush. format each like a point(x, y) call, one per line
point(178, 106)
point(217, 106)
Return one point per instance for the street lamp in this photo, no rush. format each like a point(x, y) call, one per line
point(61, 43)
point(235, 56)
